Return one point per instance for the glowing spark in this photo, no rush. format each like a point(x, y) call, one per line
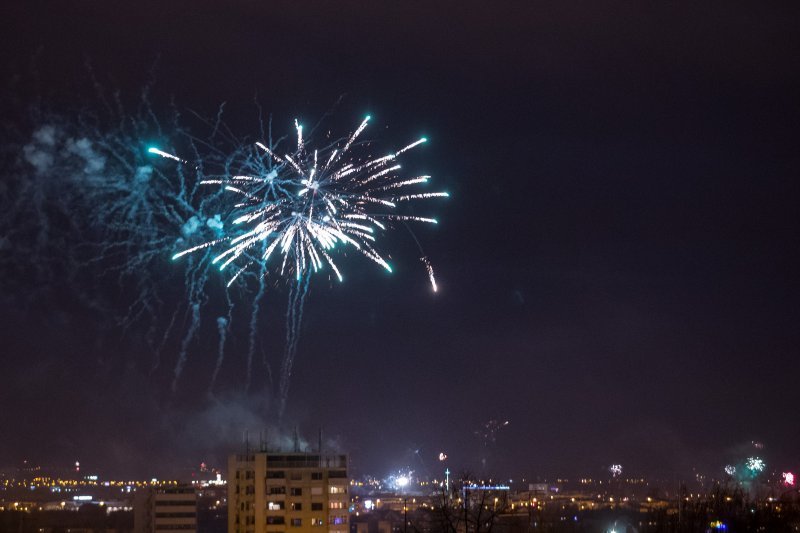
point(165, 154)
point(410, 146)
point(730, 470)
point(431, 277)
point(788, 479)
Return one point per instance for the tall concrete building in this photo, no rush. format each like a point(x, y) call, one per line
point(287, 493)
point(160, 509)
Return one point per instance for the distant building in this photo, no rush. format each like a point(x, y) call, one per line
point(162, 509)
point(287, 493)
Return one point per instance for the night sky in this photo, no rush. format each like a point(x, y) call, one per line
point(618, 260)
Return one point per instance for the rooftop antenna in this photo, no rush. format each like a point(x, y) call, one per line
point(319, 442)
point(296, 440)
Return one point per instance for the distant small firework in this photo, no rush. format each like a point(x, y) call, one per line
point(755, 464)
point(442, 456)
point(616, 470)
point(757, 445)
point(730, 470)
point(400, 480)
point(488, 433)
point(788, 479)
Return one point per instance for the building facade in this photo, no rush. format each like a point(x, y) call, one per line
point(288, 493)
point(164, 509)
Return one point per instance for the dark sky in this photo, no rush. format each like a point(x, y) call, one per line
point(618, 260)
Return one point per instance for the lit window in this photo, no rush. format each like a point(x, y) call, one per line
point(336, 489)
point(338, 520)
point(336, 505)
point(275, 506)
point(317, 522)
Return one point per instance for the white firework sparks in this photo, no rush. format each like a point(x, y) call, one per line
point(313, 202)
point(755, 464)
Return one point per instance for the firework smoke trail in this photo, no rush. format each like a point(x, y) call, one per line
point(223, 325)
point(294, 320)
point(194, 325)
point(117, 213)
point(256, 306)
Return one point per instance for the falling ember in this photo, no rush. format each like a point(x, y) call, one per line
point(431, 277)
point(156, 151)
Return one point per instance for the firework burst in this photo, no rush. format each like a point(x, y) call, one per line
point(312, 202)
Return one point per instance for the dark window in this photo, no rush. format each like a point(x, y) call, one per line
point(296, 491)
point(176, 515)
point(184, 503)
point(297, 522)
point(277, 490)
point(316, 475)
point(275, 520)
point(316, 506)
point(297, 506)
point(337, 473)
point(276, 474)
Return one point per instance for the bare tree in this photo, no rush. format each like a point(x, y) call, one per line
point(466, 507)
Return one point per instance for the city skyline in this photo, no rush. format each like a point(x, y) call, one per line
point(616, 263)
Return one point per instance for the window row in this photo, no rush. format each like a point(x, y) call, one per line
point(336, 520)
point(298, 491)
point(295, 475)
point(298, 506)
